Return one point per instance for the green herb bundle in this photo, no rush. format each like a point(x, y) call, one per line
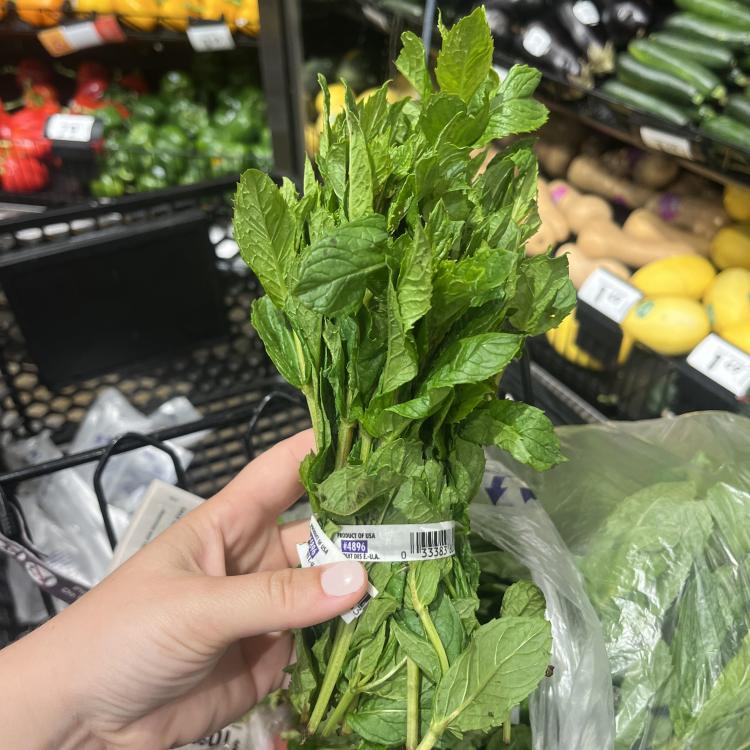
point(397, 293)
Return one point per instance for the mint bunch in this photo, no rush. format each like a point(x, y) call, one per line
point(397, 292)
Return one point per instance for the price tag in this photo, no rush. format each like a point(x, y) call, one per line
point(723, 363)
point(609, 294)
point(62, 40)
point(72, 128)
point(666, 142)
point(207, 37)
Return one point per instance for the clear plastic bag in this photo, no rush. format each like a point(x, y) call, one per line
point(573, 708)
point(657, 514)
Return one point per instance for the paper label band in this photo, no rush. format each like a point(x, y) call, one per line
point(397, 542)
point(320, 550)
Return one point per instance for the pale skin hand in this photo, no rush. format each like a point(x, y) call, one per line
point(184, 637)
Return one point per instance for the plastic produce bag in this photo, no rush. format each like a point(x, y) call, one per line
point(572, 708)
point(657, 514)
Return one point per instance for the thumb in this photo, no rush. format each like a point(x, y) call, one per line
point(273, 600)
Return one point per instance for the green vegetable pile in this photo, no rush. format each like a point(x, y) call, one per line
point(669, 576)
point(397, 292)
point(177, 137)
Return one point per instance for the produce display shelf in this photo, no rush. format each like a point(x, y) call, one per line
point(709, 157)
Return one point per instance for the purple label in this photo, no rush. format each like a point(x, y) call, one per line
point(669, 206)
point(312, 547)
point(356, 546)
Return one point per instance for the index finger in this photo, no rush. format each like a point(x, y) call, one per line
point(263, 490)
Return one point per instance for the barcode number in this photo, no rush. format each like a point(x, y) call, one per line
point(438, 543)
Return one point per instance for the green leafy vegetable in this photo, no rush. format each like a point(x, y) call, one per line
point(397, 294)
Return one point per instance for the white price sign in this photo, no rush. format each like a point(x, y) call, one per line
point(76, 128)
point(586, 12)
point(210, 36)
point(666, 142)
point(609, 294)
point(723, 363)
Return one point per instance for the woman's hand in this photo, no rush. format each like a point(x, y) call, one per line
point(187, 635)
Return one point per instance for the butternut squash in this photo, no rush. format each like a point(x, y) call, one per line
point(541, 242)
point(578, 210)
point(701, 216)
point(550, 215)
point(646, 225)
point(653, 170)
point(580, 266)
point(603, 239)
point(588, 174)
point(554, 157)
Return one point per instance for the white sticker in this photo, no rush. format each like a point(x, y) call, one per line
point(210, 36)
point(723, 363)
point(586, 12)
point(609, 294)
point(537, 41)
point(666, 142)
point(397, 542)
point(76, 128)
point(320, 550)
point(82, 35)
point(161, 506)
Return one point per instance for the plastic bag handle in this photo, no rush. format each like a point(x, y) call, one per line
point(137, 440)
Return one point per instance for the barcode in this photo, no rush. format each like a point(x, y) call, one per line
point(432, 543)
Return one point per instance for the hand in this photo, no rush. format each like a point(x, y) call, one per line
point(184, 637)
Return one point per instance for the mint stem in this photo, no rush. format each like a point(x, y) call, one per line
point(429, 626)
point(413, 680)
point(430, 739)
point(507, 731)
point(341, 642)
point(346, 435)
point(338, 713)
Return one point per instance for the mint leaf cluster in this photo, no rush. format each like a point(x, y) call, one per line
point(397, 292)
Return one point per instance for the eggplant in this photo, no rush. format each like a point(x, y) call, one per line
point(518, 10)
point(626, 19)
point(542, 43)
point(583, 22)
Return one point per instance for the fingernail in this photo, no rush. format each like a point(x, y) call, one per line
point(342, 578)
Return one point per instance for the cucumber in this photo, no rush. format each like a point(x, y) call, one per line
point(706, 53)
point(653, 54)
point(725, 11)
point(657, 82)
point(728, 130)
point(738, 108)
point(705, 28)
point(637, 99)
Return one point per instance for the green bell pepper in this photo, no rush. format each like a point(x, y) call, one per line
point(107, 186)
point(176, 83)
point(147, 108)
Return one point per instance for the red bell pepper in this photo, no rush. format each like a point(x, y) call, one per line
point(134, 82)
point(23, 174)
point(31, 70)
point(88, 71)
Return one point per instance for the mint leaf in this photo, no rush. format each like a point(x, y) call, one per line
point(333, 276)
point(415, 279)
point(523, 599)
point(522, 430)
point(271, 325)
point(473, 359)
point(506, 659)
point(411, 63)
point(264, 230)
point(359, 191)
point(465, 59)
point(418, 649)
point(401, 359)
point(514, 110)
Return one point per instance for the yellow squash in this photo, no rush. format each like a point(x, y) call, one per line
point(669, 325)
point(175, 14)
point(677, 276)
point(563, 340)
point(40, 13)
point(727, 299)
point(739, 335)
point(338, 98)
point(730, 247)
point(88, 7)
point(737, 202)
point(138, 14)
point(244, 15)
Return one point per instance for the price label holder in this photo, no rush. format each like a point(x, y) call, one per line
point(73, 133)
point(64, 40)
point(669, 143)
point(723, 364)
point(603, 302)
point(210, 36)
